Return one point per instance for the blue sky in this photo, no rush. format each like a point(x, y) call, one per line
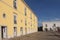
point(46, 10)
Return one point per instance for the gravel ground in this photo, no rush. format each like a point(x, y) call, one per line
point(38, 36)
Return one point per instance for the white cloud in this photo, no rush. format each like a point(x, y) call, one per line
point(57, 19)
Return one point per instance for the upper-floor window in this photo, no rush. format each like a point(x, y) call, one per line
point(4, 15)
point(25, 11)
point(31, 23)
point(14, 4)
point(46, 25)
point(25, 22)
point(34, 19)
point(54, 25)
point(15, 19)
point(31, 16)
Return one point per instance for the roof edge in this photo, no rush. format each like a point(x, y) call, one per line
point(28, 7)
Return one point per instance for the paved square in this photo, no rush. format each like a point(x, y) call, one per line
point(38, 36)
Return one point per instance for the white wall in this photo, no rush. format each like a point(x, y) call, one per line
point(50, 24)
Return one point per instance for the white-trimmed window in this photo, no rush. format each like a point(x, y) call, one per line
point(15, 4)
point(15, 19)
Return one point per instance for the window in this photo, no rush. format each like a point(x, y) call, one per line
point(46, 25)
point(15, 21)
point(31, 23)
point(25, 22)
point(4, 15)
point(54, 24)
point(34, 19)
point(25, 12)
point(14, 4)
point(21, 20)
point(21, 29)
point(31, 16)
point(15, 29)
point(26, 30)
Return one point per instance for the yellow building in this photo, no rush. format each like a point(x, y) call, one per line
point(16, 19)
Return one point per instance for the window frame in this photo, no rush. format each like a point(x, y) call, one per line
point(15, 4)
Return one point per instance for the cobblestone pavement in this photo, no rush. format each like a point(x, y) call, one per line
point(38, 36)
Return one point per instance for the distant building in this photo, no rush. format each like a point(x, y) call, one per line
point(16, 19)
point(51, 26)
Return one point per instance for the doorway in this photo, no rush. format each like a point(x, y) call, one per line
point(21, 30)
point(46, 29)
point(25, 30)
point(3, 31)
point(15, 31)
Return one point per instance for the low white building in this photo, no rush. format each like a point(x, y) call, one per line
point(51, 26)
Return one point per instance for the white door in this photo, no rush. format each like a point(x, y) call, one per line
point(15, 31)
point(4, 31)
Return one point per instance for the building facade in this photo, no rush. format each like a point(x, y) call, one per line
point(51, 26)
point(16, 19)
